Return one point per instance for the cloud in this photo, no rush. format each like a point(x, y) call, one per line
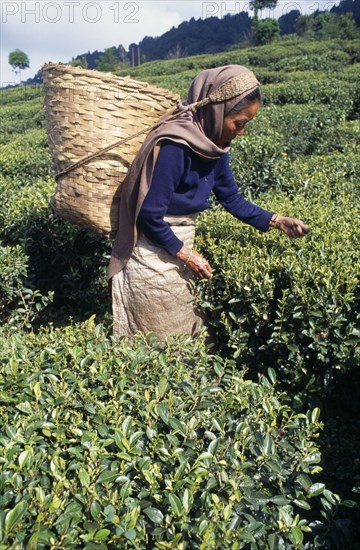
point(60, 30)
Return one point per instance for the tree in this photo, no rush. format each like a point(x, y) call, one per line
point(348, 6)
point(326, 25)
point(287, 22)
point(347, 27)
point(265, 31)
point(79, 62)
point(176, 52)
point(329, 25)
point(122, 53)
point(19, 61)
point(258, 5)
point(304, 26)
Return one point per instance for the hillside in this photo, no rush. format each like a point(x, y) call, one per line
point(252, 443)
point(220, 34)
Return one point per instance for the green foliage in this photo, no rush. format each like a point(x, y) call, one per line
point(82, 62)
point(110, 60)
point(308, 62)
point(292, 306)
point(326, 25)
point(259, 5)
point(26, 157)
point(279, 135)
point(19, 304)
point(108, 444)
point(261, 56)
point(340, 94)
point(75, 471)
point(20, 94)
point(62, 258)
point(19, 118)
point(265, 31)
point(18, 60)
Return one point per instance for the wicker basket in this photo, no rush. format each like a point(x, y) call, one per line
point(85, 112)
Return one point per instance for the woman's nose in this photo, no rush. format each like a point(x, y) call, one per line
point(240, 132)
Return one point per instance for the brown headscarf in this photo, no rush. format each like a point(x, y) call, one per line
point(198, 129)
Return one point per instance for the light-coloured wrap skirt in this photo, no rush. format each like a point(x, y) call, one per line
point(152, 293)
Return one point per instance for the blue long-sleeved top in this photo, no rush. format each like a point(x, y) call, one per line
point(181, 184)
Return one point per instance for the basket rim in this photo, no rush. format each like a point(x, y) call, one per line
point(106, 77)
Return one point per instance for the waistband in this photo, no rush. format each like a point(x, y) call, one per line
point(189, 219)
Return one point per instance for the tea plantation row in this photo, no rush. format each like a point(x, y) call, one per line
point(117, 444)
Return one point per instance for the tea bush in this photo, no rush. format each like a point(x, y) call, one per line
point(20, 94)
point(177, 74)
point(268, 55)
point(18, 118)
point(344, 137)
point(280, 135)
point(300, 128)
point(351, 72)
point(75, 471)
point(62, 258)
point(112, 445)
point(260, 56)
point(329, 61)
point(289, 305)
point(20, 305)
point(337, 170)
point(26, 157)
point(342, 97)
point(259, 162)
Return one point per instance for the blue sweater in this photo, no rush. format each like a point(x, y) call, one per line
point(181, 184)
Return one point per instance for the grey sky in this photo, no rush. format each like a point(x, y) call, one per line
point(61, 29)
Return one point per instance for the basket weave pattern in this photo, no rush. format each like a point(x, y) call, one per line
point(85, 112)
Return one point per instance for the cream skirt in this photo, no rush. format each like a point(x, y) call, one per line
point(152, 293)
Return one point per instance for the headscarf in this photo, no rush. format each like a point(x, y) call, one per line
point(198, 128)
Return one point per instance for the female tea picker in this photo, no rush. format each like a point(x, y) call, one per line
point(180, 163)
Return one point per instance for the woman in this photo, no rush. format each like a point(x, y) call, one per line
point(181, 162)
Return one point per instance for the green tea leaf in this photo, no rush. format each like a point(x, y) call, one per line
point(25, 407)
point(154, 514)
point(84, 477)
point(14, 516)
point(37, 391)
point(107, 477)
point(102, 534)
point(272, 375)
point(95, 510)
point(316, 489)
point(130, 534)
point(297, 534)
point(187, 500)
point(175, 504)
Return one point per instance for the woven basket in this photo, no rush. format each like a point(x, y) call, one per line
point(85, 112)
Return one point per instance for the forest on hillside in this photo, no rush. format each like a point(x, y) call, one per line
point(214, 34)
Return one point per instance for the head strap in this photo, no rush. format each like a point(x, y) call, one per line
point(237, 86)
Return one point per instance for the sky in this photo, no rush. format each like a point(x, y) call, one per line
point(59, 30)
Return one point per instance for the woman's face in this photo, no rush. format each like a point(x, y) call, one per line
point(234, 124)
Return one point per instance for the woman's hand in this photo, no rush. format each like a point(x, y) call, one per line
point(292, 227)
point(195, 262)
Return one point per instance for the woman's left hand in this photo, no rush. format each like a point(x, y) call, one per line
point(292, 227)
point(195, 262)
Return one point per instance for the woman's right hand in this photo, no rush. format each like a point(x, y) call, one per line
point(195, 262)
